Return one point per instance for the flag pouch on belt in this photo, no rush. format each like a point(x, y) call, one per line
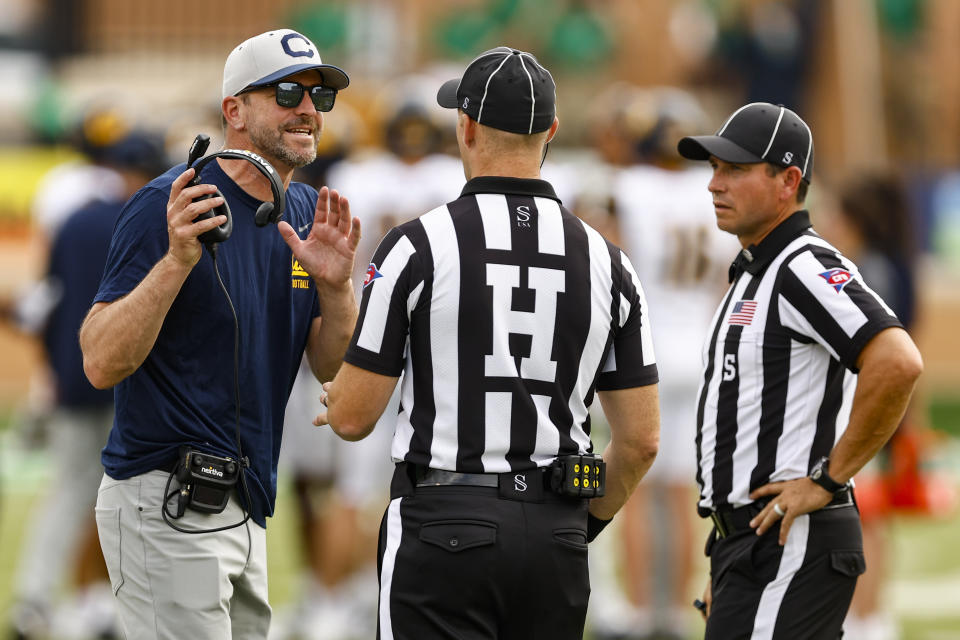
point(578, 476)
point(205, 481)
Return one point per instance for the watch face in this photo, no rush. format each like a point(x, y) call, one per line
point(817, 471)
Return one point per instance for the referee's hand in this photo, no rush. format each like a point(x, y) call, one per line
point(791, 498)
point(704, 606)
point(321, 418)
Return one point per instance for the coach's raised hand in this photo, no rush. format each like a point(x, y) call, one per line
point(329, 250)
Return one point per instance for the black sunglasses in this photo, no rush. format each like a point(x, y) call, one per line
point(289, 94)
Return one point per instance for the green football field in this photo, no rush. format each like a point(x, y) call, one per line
point(923, 595)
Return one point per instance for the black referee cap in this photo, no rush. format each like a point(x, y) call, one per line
point(757, 132)
point(505, 89)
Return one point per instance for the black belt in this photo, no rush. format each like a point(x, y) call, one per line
point(728, 520)
point(440, 478)
point(579, 477)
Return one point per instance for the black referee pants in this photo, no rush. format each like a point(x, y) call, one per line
point(801, 590)
point(463, 563)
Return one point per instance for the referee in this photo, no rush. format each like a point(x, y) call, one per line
point(505, 313)
point(807, 373)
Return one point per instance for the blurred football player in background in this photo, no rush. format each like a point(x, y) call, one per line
point(414, 141)
point(666, 223)
point(85, 178)
point(61, 538)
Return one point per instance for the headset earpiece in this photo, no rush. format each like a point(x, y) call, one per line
point(264, 214)
point(222, 232)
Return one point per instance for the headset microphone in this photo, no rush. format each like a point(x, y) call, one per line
point(198, 148)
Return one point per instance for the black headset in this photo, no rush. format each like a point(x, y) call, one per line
point(266, 213)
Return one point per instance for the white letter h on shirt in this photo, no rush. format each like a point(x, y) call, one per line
point(539, 324)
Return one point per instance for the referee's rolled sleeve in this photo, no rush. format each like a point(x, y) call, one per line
point(617, 380)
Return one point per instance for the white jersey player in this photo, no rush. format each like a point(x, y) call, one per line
point(666, 224)
point(669, 230)
point(667, 227)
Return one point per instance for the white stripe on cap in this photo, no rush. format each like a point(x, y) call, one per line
point(533, 99)
point(809, 146)
point(487, 86)
point(539, 66)
point(773, 136)
point(730, 119)
point(544, 70)
point(492, 52)
point(483, 55)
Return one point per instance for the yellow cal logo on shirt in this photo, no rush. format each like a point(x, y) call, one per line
point(300, 279)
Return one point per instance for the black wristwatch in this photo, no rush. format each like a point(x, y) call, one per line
point(819, 475)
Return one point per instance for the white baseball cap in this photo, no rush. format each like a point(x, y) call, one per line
point(272, 56)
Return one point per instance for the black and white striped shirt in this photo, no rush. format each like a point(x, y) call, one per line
point(505, 313)
point(780, 363)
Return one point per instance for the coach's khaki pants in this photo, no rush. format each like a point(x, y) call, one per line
point(173, 585)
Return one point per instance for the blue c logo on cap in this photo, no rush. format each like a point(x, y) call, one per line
point(308, 53)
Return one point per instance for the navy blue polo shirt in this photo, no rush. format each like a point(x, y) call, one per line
point(183, 393)
point(77, 258)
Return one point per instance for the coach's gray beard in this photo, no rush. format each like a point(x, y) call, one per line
point(270, 143)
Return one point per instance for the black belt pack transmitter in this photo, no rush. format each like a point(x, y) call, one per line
point(579, 476)
point(206, 481)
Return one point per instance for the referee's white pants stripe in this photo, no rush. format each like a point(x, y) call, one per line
point(772, 598)
point(394, 529)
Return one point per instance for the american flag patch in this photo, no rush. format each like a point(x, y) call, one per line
point(743, 312)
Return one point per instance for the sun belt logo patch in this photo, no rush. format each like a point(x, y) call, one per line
point(372, 274)
point(837, 278)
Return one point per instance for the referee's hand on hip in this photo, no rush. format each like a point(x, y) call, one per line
point(791, 498)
